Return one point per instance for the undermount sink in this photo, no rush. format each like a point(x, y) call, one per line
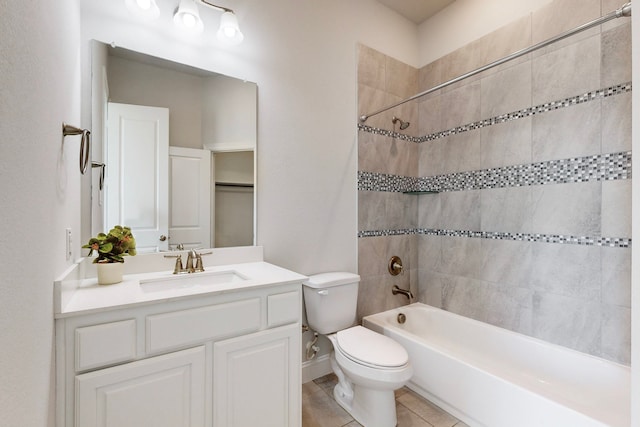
point(193, 280)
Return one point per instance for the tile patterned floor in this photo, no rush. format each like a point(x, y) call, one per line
point(319, 409)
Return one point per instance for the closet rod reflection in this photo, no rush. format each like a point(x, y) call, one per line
point(233, 184)
point(624, 11)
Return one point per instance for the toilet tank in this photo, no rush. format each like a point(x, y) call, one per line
point(331, 300)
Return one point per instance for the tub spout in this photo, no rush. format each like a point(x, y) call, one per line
point(407, 293)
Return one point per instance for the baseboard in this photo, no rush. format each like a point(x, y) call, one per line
point(316, 368)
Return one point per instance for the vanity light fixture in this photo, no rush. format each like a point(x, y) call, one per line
point(143, 9)
point(187, 18)
point(229, 30)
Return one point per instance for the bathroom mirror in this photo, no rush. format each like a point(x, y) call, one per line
point(177, 147)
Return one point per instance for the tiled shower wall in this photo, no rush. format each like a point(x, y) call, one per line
point(530, 228)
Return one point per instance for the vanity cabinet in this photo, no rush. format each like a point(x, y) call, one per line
point(227, 359)
point(254, 383)
point(162, 391)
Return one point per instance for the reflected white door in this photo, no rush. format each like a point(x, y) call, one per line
point(136, 182)
point(190, 197)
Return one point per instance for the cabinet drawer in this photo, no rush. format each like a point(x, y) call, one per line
point(180, 328)
point(283, 308)
point(105, 344)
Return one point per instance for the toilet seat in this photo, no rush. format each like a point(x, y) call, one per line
point(366, 347)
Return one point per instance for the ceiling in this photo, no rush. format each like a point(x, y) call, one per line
point(416, 10)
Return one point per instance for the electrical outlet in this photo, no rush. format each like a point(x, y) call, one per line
point(69, 246)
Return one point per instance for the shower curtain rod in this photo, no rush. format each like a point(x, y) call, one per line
point(624, 11)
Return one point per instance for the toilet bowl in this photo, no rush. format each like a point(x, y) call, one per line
point(369, 365)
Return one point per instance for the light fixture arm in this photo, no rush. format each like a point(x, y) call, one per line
point(215, 6)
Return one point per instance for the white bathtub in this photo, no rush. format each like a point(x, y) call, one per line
point(489, 376)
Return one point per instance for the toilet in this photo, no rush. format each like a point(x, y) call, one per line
point(369, 365)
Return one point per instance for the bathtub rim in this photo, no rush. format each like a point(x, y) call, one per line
point(379, 321)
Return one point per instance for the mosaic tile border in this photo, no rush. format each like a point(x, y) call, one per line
point(600, 167)
point(520, 114)
point(613, 242)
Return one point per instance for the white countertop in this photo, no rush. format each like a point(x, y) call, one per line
point(89, 297)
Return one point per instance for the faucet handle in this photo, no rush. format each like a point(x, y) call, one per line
point(178, 267)
point(199, 266)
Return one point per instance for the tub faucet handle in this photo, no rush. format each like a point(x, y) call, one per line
point(395, 266)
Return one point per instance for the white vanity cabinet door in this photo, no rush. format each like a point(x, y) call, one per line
point(162, 391)
point(257, 379)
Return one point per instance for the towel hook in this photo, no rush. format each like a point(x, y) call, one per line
point(101, 166)
point(85, 144)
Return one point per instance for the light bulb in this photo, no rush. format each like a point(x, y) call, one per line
point(145, 10)
point(144, 4)
point(188, 20)
point(229, 32)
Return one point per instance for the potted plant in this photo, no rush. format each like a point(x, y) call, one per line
point(111, 248)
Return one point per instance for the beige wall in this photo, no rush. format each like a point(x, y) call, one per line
point(40, 187)
point(303, 60)
point(468, 20)
point(132, 82)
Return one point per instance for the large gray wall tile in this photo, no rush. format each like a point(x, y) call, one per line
point(460, 210)
point(506, 144)
point(567, 209)
point(461, 152)
point(506, 210)
point(569, 270)
point(616, 334)
point(567, 132)
point(616, 55)
point(616, 276)
point(571, 70)
point(567, 321)
point(462, 106)
point(616, 123)
point(506, 91)
point(616, 208)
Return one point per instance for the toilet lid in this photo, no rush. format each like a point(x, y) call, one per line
point(370, 348)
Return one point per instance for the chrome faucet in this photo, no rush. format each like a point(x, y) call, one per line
point(407, 293)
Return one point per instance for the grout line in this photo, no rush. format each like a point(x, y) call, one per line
point(416, 414)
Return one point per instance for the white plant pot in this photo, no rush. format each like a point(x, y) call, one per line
point(110, 273)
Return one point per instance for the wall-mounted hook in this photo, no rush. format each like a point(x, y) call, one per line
point(101, 166)
point(85, 144)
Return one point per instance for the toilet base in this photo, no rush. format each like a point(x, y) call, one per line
point(370, 407)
